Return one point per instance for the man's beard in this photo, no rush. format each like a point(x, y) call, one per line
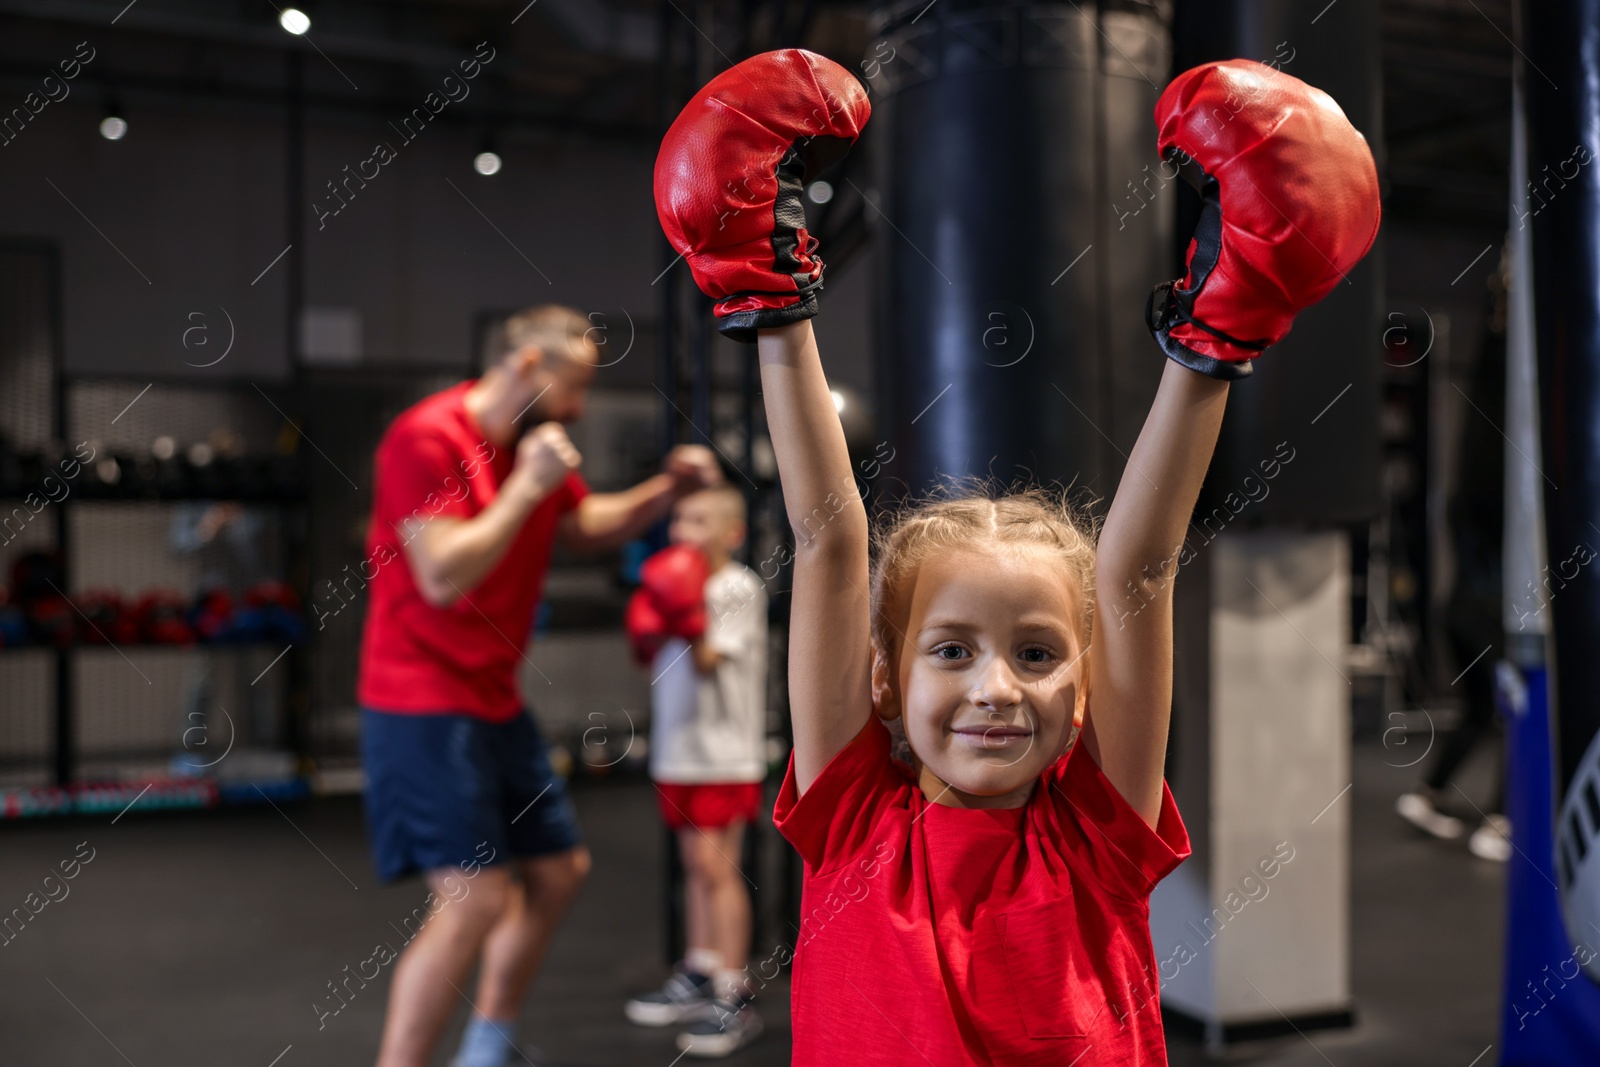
point(535, 414)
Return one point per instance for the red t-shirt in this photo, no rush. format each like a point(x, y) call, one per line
point(953, 936)
point(434, 460)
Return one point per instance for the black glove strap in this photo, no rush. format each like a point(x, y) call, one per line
point(741, 326)
point(1174, 310)
point(809, 154)
point(1160, 324)
point(1177, 303)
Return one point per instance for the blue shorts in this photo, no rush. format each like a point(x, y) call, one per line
point(449, 790)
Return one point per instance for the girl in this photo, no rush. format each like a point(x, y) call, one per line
point(988, 903)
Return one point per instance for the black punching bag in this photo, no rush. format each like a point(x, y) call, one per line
point(1315, 394)
point(1025, 215)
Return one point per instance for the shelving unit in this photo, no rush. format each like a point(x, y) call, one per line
point(89, 724)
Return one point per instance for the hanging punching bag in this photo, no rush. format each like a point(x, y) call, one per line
point(1024, 218)
point(1552, 1007)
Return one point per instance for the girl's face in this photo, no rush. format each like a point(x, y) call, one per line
point(990, 673)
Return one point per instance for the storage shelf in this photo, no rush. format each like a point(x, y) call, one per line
point(248, 479)
point(155, 794)
point(149, 646)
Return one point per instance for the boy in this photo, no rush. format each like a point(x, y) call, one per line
point(707, 759)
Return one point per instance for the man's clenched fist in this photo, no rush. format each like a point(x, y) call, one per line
point(545, 455)
point(692, 467)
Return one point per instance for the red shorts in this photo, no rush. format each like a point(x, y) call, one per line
point(708, 805)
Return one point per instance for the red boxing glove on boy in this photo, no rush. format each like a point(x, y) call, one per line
point(1291, 204)
point(729, 177)
point(670, 600)
point(646, 629)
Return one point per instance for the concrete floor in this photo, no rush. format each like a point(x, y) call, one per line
point(1428, 924)
point(193, 939)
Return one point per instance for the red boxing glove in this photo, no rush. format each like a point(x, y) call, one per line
point(647, 630)
point(1290, 196)
point(729, 177)
point(160, 616)
point(675, 581)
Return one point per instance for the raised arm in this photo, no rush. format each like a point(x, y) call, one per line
point(1298, 189)
point(728, 184)
point(830, 689)
point(1130, 655)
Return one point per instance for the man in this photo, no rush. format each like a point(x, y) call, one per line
point(459, 784)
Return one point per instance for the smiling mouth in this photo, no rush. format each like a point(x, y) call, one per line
point(993, 736)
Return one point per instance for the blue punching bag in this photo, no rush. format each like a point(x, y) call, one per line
point(1551, 1010)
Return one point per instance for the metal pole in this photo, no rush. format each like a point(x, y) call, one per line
point(667, 282)
point(667, 385)
point(297, 697)
point(65, 735)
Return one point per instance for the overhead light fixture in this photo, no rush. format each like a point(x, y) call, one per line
point(820, 192)
point(488, 162)
point(113, 127)
point(294, 20)
point(838, 401)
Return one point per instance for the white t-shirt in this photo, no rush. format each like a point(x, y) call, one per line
point(713, 727)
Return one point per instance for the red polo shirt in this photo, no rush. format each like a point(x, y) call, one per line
point(955, 936)
point(415, 658)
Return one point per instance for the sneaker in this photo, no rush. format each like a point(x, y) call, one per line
point(721, 1030)
point(520, 1056)
point(486, 1043)
point(1492, 840)
point(685, 994)
point(1418, 810)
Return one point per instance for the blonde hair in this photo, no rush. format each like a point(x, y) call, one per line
point(728, 497)
point(561, 332)
point(966, 515)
